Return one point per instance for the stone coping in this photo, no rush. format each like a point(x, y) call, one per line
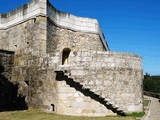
point(23, 13)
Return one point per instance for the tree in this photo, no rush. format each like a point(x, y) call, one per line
point(151, 83)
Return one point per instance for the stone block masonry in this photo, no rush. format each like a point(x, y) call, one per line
point(63, 63)
point(117, 77)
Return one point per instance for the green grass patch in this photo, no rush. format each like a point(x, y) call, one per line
point(136, 114)
point(146, 102)
point(38, 115)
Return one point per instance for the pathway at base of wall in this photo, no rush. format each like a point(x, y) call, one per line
point(154, 109)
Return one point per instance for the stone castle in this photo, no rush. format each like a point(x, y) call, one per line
point(62, 63)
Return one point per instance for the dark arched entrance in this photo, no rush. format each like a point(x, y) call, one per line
point(65, 56)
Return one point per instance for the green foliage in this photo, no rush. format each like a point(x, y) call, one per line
point(151, 83)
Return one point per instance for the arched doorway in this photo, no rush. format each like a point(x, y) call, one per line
point(65, 56)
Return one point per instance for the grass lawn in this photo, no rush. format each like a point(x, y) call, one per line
point(146, 102)
point(38, 115)
point(33, 114)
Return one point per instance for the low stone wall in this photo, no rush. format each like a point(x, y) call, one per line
point(156, 95)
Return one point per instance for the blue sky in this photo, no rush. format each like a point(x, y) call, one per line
point(129, 25)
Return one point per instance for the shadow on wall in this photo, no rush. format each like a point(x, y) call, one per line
point(60, 77)
point(9, 99)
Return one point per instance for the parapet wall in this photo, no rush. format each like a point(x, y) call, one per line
point(111, 59)
point(76, 23)
point(23, 13)
point(44, 8)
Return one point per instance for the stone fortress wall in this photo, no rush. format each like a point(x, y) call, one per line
point(64, 64)
point(113, 76)
point(116, 77)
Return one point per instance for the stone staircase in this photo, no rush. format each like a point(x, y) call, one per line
point(63, 75)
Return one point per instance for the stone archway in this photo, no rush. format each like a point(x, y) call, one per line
point(65, 56)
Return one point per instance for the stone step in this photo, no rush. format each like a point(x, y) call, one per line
point(67, 74)
point(90, 91)
point(107, 99)
point(112, 102)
